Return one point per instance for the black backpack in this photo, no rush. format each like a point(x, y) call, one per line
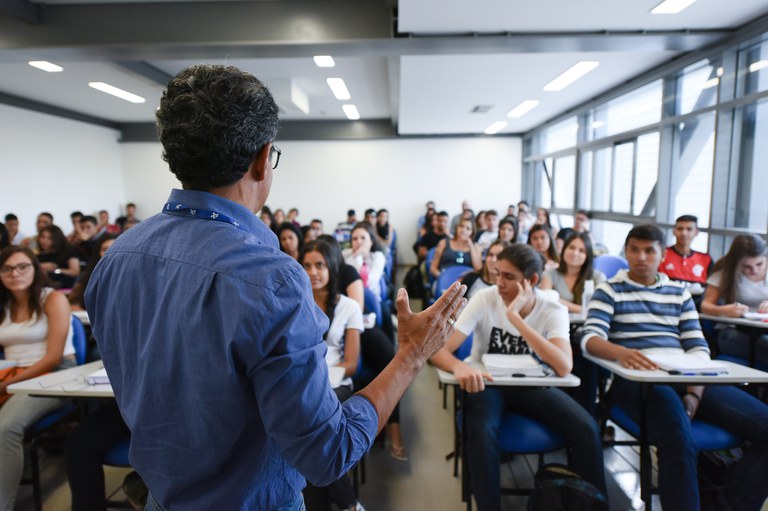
point(414, 284)
point(558, 488)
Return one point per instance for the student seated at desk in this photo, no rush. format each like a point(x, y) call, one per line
point(322, 263)
point(640, 311)
point(458, 251)
point(36, 333)
point(739, 280)
point(367, 258)
point(479, 280)
point(515, 318)
point(682, 263)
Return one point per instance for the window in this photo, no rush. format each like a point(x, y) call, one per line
point(753, 63)
point(692, 164)
point(697, 86)
point(560, 136)
point(647, 174)
point(749, 210)
point(638, 108)
point(564, 181)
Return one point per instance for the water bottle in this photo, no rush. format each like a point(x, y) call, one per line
point(586, 296)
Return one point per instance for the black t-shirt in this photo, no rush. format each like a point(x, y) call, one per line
point(347, 275)
point(62, 261)
point(565, 233)
point(430, 240)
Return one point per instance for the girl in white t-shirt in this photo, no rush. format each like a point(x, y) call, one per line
point(513, 317)
point(35, 333)
point(739, 283)
point(322, 263)
point(366, 257)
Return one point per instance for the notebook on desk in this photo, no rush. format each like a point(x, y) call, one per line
point(98, 378)
point(688, 364)
point(759, 316)
point(512, 365)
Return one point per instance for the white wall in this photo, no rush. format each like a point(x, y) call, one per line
point(325, 178)
point(52, 164)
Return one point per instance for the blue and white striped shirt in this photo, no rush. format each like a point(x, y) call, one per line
point(635, 316)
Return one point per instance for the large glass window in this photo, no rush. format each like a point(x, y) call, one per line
point(638, 108)
point(565, 181)
point(647, 174)
point(560, 136)
point(753, 64)
point(697, 86)
point(692, 164)
point(749, 210)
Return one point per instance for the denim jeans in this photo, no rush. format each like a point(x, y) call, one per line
point(739, 342)
point(550, 406)
point(296, 505)
point(669, 430)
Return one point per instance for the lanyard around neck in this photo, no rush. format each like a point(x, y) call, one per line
point(179, 209)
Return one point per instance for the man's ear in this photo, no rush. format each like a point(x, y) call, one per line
point(261, 164)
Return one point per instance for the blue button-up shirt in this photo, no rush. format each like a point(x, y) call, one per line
point(213, 345)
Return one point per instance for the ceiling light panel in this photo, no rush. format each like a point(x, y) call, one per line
point(120, 93)
point(351, 112)
point(324, 61)
point(495, 127)
point(523, 108)
point(671, 6)
point(46, 66)
point(339, 89)
point(571, 75)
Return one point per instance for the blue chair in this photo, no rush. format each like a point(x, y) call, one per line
point(372, 304)
point(448, 276)
point(428, 263)
point(707, 437)
point(32, 434)
point(610, 264)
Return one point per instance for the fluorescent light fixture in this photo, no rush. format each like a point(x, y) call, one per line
point(495, 127)
point(523, 108)
point(671, 6)
point(712, 82)
point(339, 88)
point(597, 124)
point(120, 93)
point(351, 112)
point(757, 66)
point(324, 61)
point(46, 66)
point(571, 75)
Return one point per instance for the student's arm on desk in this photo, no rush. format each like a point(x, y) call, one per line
point(709, 305)
point(469, 378)
point(627, 357)
point(420, 336)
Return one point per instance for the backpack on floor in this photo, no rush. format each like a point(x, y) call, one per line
point(558, 488)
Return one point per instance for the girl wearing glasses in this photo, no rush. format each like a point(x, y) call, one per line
point(36, 336)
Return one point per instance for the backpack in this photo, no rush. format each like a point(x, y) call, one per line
point(558, 488)
point(414, 283)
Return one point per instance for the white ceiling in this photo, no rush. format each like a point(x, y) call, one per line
point(426, 90)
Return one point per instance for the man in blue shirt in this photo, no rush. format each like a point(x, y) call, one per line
point(210, 335)
point(641, 312)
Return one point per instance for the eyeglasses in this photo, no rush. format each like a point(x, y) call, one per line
point(22, 268)
point(275, 150)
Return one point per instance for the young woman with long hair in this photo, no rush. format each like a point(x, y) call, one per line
point(457, 251)
point(36, 335)
point(574, 270)
point(322, 264)
point(739, 283)
point(57, 257)
point(479, 280)
point(540, 238)
point(366, 257)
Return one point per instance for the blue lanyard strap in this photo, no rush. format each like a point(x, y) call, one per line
point(179, 209)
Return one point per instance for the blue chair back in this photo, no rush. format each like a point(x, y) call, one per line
point(428, 262)
point(78, 341)
point(465, 349)
point(610, 264)
point(448, 276)
point(372, 304)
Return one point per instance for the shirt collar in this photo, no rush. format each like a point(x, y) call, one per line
point(203, 200)
point(623, 276)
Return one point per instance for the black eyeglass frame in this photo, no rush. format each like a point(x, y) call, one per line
point(273, 150)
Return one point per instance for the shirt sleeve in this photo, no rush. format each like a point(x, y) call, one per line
point(375, 272)
point(599, 315)
point(320, 437)
point(691, 336)
point(558, 324)
point(715, 279)
point(355, 320)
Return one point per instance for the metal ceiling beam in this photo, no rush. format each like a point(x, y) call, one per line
point(44, 108)
point(22, 9)
point(215, 30)
point(146, 70)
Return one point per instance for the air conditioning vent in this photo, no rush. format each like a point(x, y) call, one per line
point(481, 109)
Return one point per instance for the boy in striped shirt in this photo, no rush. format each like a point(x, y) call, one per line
point(640, 311)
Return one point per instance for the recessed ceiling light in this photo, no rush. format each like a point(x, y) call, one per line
point(339, 88)
point(757, 66)
point(571, 75)
point(523, 108)
point(46, 66)
point(324, 61)
point(671, 6)
point(712, 82)
point(120, 93)
point(351, 112)
point(495, 127)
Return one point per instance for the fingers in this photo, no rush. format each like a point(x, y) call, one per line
point(487, 376)
point(448, 299)
point(472, 383)
point(402, 304)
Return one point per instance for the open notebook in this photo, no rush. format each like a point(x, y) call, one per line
point(512, 365)
point(688, 364)
point(98, 378)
